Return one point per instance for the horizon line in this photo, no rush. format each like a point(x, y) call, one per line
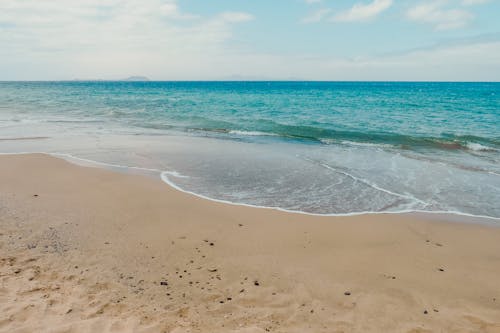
point(251, 80)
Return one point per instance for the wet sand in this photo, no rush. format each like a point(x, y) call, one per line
point(90, 250)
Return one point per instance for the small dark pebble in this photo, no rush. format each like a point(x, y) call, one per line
point(240, 225)
point(163, 283)
point(439, 244)
point(35, 195)
point(435, 310)
point(425, 312)
point(212, 244)
point(69, 311)
point(213, 270)
point(221, 302)
point(256, 283)
point(242, 290)
point(441, 270)
point(229, 299)
point(347, 293)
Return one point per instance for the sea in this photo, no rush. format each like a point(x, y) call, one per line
point(327, 148)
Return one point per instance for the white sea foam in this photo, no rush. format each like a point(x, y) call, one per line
point(164, 177)
point(367, 182)
point(175, 174)
point(251, 133)
point(354, 143)
point(478, 147)
point(367, 144)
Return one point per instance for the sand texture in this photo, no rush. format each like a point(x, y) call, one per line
point(90, 250)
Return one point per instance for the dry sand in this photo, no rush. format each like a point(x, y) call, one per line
point(89, 250)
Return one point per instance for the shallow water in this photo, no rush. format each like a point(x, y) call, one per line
point(327, 148)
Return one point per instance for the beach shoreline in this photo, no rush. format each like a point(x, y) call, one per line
point(88, 249)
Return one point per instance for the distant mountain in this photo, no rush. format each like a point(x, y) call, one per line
point(136, 78)
point(237, 77)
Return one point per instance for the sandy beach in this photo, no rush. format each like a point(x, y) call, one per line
point(89, 250)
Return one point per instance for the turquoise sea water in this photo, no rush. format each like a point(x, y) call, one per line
point(318, 147)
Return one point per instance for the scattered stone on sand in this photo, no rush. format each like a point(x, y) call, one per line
point(441, 270)
point(426, 312)
point(347, 293)
point(163, 283)
point(212, 244)
point(256, 283)
point(35, 195)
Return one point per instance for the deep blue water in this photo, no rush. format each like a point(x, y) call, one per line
point(323, 147)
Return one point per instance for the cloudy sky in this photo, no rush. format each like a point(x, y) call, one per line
point(258, 39)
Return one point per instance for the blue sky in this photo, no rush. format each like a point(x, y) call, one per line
point(258, 39)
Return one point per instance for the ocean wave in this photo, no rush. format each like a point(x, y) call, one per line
point(478, 147)
point(73, 121)
point(356, 144)
point(164, 176)
point(329, 136)
point(22, 138)
point(251, 133)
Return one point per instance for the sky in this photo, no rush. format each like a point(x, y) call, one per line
point(379, 40)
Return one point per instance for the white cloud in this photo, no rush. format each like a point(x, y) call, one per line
point(363, 12)
point(106, 38)
point(474, 2)
point(236, 17)
point(61, 39)
point(316, 16)
point(465, 61)
point(442, 19)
